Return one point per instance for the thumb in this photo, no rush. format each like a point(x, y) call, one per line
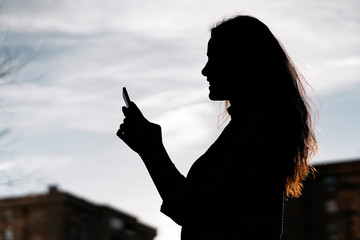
point(122, 136)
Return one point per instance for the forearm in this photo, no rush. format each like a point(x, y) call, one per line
point(163, 172)
point(145, 138)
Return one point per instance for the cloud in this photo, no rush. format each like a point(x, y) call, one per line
point(351, 61)
point(335, 75)
point(6, 166)
point(338, 122)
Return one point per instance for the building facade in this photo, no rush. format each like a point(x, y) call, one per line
point(329, 208)
point(58, 215)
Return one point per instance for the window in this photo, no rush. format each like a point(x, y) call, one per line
point(330, 183)
point(84, 235)
point(116, 223)
point(332, 231)
point(8, 216)
point(8, 234)
point(331, 206)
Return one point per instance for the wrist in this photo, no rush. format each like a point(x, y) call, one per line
point(152, 151)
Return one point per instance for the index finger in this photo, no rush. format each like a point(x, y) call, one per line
point(134, 110)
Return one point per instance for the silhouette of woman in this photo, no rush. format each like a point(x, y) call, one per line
point(236, 189)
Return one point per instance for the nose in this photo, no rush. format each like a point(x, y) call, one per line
point(204, 71)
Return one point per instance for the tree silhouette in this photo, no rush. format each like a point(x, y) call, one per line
point(10, 63)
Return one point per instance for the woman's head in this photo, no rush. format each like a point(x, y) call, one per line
point(248, 66)
point(245, 61)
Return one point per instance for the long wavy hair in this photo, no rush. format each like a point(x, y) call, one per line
point(247, 43)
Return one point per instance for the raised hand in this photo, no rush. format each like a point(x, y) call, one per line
point(137, 132)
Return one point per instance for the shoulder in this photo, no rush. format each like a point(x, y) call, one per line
point(254, 141)
point(255, 127)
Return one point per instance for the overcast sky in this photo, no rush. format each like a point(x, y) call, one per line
point(65, 105)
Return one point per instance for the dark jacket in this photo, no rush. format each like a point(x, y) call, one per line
point(235, 190)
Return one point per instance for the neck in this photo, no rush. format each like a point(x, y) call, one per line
point(241, 106)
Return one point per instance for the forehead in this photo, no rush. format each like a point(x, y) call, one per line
point(214, 46)
point(219, 47)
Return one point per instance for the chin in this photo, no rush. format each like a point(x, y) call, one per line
point(211, 98)
point(215, 97)
point(216, 94)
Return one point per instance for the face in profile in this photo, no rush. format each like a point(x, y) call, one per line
point(216, 72)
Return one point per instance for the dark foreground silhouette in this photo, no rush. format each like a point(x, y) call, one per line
point(235, 190)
